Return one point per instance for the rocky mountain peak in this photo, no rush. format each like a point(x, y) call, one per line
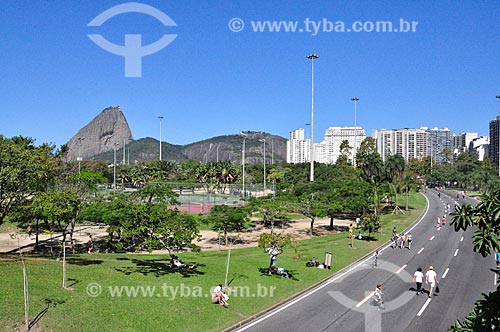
point(100, 135)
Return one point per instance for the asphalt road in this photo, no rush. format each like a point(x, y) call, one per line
point(342, 303)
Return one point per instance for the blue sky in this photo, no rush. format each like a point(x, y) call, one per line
point(212, 81)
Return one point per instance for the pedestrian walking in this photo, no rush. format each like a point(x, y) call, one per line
point(375, 256)
point(351, 228)
point(418, 277)
point(431, 279)
point(395, 237)
point(409, 238)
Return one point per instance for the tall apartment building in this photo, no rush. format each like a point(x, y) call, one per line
point(440, 143)
point(297, 147)
point(334, 136)
point(409, 143)
point(461, 142)
point(494, 150)
point(480, 145)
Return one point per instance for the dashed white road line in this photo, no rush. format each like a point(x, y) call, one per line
point(445, 273)
point(462, 239)
point(401, 268)
point(418, 252)
point(423, 308)
point(432, 238)
point(456, 253)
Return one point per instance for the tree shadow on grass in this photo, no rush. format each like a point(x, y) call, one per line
point(49, 303)
point(158, 268)
point(83, 261)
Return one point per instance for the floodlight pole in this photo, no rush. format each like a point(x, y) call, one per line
point(355, 100)
point(312, 57)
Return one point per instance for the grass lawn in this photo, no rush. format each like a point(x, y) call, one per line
point(158, 308)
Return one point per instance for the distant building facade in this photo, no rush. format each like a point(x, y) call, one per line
point(407, 142)
point(494, 149)
point(298, 148)
point(327, 151)
point(481, 146)
point(440, 143)
point(461, 142)
point(334, 136)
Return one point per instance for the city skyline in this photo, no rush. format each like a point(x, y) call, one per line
point(222, 75)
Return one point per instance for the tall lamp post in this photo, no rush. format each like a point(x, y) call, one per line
point(264, 158)
point(243, 165)
point(161, 118)
point(312, 57)
point(114, 166)
point(498, 126)
point(355, 100)
point(79, 153)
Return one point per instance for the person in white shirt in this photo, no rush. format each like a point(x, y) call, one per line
point(431, 279)
point(418, 277)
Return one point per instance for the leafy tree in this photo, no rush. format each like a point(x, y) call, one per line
point(228, 218)
point(311, 207)
point(486, 217)
point(24, 170)
point(370, 223)
point(370, 163)
point(282, 241)
point(272, 209)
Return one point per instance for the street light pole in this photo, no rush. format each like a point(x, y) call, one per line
point(114, 166)
point(355, 100)
point(243, 165)
point(161, 118)
point(312, 57)
point(264, 158)
point(79, 153)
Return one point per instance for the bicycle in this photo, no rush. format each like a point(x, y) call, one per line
point(378, 301)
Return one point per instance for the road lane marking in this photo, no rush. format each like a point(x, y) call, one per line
point(462, 239)
point(495, 280)
point(418, 252)
point(423, 308)
point(456, 253)
point(360, 303)
point(445, 273)
point(432, 238)
point(401, 269)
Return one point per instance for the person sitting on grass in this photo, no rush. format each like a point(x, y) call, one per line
point(218, 296)
point(176, 262)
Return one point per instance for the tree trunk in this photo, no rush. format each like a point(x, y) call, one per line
point(312, 225)
point(64, 261)
point(36, 232)
point(331, 222)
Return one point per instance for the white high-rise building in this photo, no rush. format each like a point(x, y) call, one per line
point(440, 144)
point(327, 152)
point(481, 146)
point(297, 148)
point(409, 143)
point(334, 136)
point(462, 141)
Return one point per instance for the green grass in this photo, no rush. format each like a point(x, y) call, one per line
point(76, 311)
